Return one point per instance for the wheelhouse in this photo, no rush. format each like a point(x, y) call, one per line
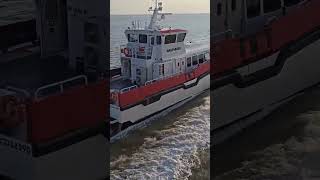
point(152, 54)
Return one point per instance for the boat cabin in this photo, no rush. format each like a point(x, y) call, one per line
point(154, 53)
point(150, 54)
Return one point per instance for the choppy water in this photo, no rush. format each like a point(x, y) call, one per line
point(177, 145)
point(285, 146)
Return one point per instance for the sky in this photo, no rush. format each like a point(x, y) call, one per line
point(170, 6)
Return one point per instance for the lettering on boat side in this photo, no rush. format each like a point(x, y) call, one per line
point(13, 144)
point(77, 11)
point(174, 49)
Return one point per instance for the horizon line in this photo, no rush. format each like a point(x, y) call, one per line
point(172, 13)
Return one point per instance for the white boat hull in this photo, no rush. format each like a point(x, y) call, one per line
point(167, 103)
point(139, 112)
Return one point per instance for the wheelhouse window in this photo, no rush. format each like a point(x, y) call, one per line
point(91, 33)
point(271, 5)
point(188, 61)
point(161, 69)
point(143, 38)
point(152, 40)
point(219, 9)
point(138, 71)
point(234, 5)
point(288, 3)
point(170, 39)
point(254, 46)
point(181, 37)
point(132, 38)
point(159, 40)
point(253, 8)
point(194, 60)
point(201, 58)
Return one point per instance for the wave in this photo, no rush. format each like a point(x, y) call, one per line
point(172, 152)
point(297, 158)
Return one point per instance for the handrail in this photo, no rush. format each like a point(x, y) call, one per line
point(22, 91)
point(156, 80)
point(161, 78)
point(60, 84)
point(128, 89)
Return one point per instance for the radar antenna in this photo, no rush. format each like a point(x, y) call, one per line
point(154, 19)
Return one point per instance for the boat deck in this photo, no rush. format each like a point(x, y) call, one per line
point(20, 64)
point(196, 47)
point(32, 72)
point(119, 84)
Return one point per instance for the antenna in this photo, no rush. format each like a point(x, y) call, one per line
point(154, 18)
point(160, 6)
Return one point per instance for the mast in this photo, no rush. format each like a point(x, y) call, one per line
point(154, 18)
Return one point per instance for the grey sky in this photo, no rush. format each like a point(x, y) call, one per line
point(172, 6)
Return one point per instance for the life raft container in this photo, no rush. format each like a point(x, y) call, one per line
point(126, 52)
point(114, 97)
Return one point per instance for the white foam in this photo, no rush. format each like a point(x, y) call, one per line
point(170, 153)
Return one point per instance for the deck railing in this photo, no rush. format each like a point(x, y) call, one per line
point(127, 89)
point(23, 92)
point(162, 78)
point(61, 85)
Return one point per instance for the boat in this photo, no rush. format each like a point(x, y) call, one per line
point(265, 54)
point(54, 93)
point(159, 72)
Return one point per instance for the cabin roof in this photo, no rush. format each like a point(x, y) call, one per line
point(169, 31)
point(162, 31)
point(196, 48)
